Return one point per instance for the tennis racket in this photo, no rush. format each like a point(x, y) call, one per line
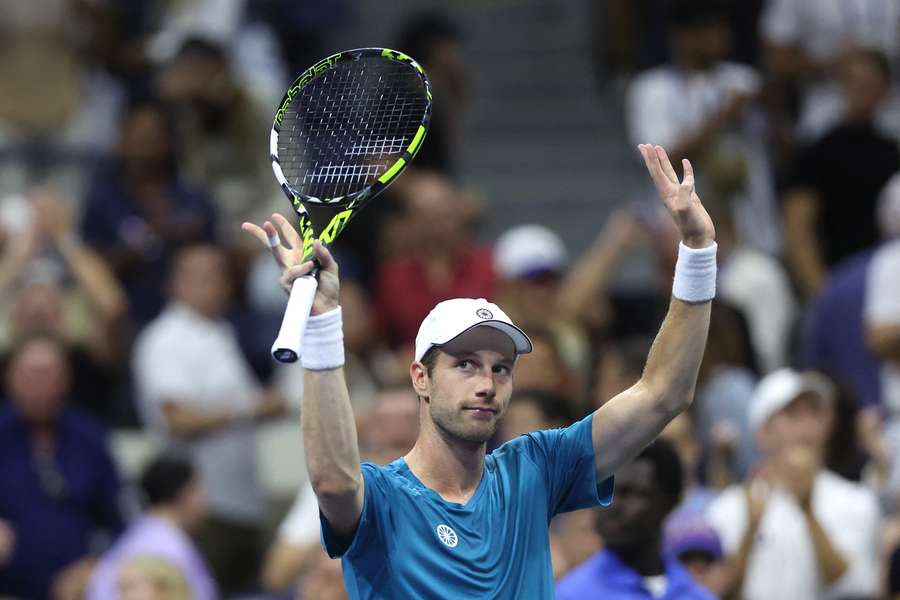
point(345, 129)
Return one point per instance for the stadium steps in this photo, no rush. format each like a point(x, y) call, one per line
point(541, 141)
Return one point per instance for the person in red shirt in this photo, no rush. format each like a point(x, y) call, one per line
point(441, 261)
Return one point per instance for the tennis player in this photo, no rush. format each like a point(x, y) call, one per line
point(447, 520)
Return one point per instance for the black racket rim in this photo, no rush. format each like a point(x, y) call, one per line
point(297, 197)
point(324, 218)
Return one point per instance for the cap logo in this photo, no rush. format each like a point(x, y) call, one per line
point(484, 313)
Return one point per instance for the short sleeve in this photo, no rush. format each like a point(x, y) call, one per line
point(369, 537)
point(882, 301)
point(566, 457)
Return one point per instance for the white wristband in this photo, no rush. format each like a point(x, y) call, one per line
point(695, 274)
point(323, 342)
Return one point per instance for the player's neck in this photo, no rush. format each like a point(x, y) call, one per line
point(449, 466)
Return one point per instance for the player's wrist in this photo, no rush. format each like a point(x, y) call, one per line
point(323, 341)
point(695, 273)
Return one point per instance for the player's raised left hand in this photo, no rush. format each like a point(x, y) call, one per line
point(680, 198)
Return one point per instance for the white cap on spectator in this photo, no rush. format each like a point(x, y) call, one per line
point(888, 210)
point(452, 318)
point(778, 389)
point(527, 251)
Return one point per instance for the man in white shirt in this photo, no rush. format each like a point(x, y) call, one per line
point(195, 387)
point(805, 39)
point(797, 530)
point(702, 105)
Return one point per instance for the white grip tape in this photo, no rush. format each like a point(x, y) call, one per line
point(695, 274)
point(323, 341)
point(286, 348)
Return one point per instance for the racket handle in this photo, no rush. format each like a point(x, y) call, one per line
point(286, 348)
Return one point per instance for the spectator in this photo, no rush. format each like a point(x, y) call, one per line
point(835, 340)
point(138, 211)
point(444, 263)
point(60, 487)
point(61, 287)
point(531, 261)
point(695, 497)
point(219, 124)
point(882, 312)
point(804, 41)
point(176, 507)
point(695, 544)
point(716, 120)
point(632, 564)
point(756, 284)
point(196, 387)
point(852, 160)
point(151, 578)
point(436, 43)
point(388, 433)
point(794, 507)
point(881, 326)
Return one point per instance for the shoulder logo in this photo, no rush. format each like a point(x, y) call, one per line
point(447, 535)
point(484, 313)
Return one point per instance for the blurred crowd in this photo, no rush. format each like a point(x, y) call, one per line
point(149, 446)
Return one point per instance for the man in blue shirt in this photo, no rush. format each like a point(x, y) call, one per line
point(447, 520)
point(58, 483)
point(632, 565)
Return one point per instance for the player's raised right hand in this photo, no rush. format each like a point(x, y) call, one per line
point(286, 246)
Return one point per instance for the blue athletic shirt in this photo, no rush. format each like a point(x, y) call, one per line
point(411, 543)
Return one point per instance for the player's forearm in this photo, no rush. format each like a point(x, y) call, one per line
point(329, 434)
point(674, 360)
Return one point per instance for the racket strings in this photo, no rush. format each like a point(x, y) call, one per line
point(349, 125)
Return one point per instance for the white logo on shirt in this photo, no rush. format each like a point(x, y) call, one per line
point(447, 535)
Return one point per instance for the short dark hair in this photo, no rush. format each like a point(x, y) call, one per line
point(422, 31)
point(165, 478)
point(667, 468)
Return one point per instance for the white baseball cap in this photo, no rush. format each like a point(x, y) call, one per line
point(528, 250)
point(780, 388)
point(452, 318)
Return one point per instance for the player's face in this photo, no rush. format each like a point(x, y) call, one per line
point(471, 384)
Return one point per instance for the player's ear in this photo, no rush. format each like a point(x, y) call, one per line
point(418, 374)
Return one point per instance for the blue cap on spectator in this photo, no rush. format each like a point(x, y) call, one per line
point(691, 534)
